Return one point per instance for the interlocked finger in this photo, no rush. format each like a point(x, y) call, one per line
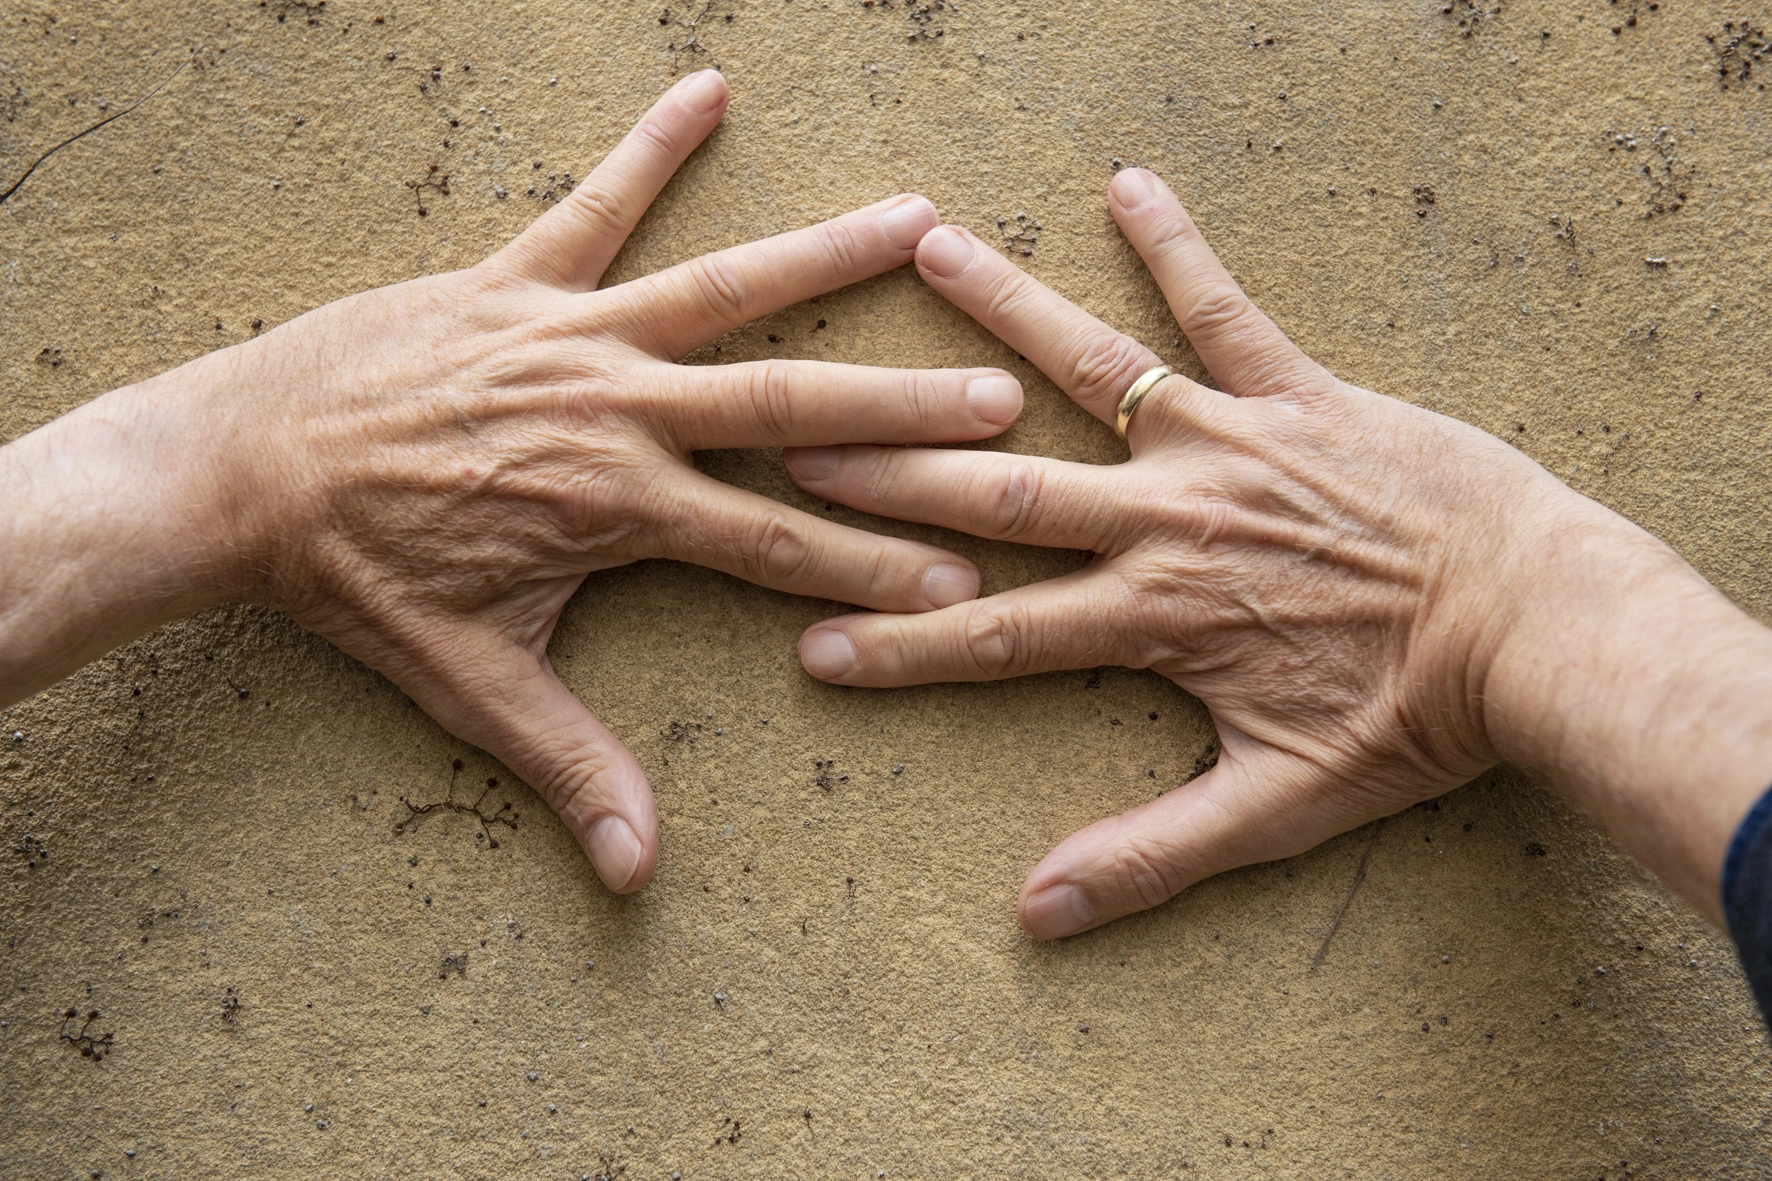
point(1092, 362)
point(782, 403)
point(1246, 352)
point(1064, 623)
point(678, 310)
point(772, 545)
point(1019, 498)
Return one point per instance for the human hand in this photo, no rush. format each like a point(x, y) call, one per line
point(1357, 589)
point(425, 473)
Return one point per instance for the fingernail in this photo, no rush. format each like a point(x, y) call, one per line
point(615, 851)
point(995, 399)
point(812, 463)
point(946, 585)
point(704, 91)
point(907, 222)
point(1057, 911)
point(946, 251)
point(827, 654)
point(1132, 187)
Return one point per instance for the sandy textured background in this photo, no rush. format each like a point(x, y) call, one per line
point(829, 982)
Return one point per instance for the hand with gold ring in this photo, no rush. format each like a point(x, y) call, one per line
point(1136, 394)
point(1374, 602)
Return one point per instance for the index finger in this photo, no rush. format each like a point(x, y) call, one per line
point(676, 311)
point(571, 244)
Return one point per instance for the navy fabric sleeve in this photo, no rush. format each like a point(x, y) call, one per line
point(1747, 898)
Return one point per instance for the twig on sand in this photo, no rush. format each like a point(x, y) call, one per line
point(1359, 876)
point(107, 119)
point(450, 804)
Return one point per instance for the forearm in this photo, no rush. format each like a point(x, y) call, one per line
point(114, 523)
point(1642, 695)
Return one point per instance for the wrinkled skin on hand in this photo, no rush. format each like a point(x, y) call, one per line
point(425, 473)
point(1333, 573)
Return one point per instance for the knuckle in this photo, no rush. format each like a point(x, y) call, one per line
point(882, 569)
point(778, 552)
point(1015, 499)
point(842, 248)
point(572, 790)
point(601, 209)
point(1274, 366)
point(923, 401)
point(718, 286)
point(1218, 309)
point(1204, 519)
point(881, 476)
point(1175, 233)
point(1144, 868)
point(998, 639)
point(594, 399)
point(603, 512)
point(656, 136)
point(1106, 365)
point(1006, 298)
point(772, 399)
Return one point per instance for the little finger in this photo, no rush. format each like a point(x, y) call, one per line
point(1245, 350)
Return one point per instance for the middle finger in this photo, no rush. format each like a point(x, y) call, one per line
point(781, 403)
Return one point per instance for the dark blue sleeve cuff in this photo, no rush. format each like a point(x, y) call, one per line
point(1747, 898)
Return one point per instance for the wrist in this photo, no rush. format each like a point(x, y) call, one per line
point(202, 471)
point(117, 524)
point(1637, 691)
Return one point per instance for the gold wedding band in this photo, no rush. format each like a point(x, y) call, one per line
point(1144, 385)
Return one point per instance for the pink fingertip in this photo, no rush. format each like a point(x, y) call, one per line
point(1057, 911)
point(1132, 187)
point(905, 223)
point(946, 584)
point(704, 92)
point(995, 399)
point(827, 654)
point(946, 251)
point(812, 463)
point(615, 852)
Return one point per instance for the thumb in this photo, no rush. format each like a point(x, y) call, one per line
point(506, 700)
point(1255, 805)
